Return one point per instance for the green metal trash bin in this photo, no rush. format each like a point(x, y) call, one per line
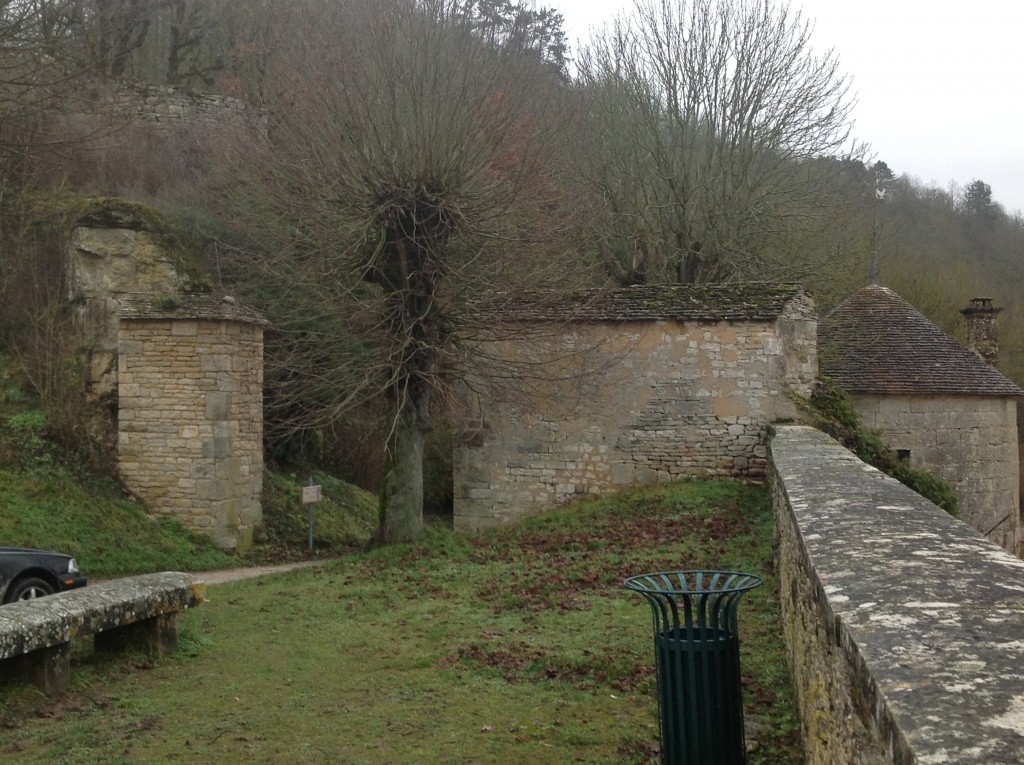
point(696, 646)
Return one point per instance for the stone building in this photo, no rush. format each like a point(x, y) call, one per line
point(606, 389)
point(937, 404)
point(190, 411)
point(174, 373)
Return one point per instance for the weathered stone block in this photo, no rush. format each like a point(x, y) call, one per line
point(218, 406)
point(35, 637)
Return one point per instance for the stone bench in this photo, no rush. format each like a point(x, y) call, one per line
point(136, 612)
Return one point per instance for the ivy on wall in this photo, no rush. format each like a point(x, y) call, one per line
point(832, 411)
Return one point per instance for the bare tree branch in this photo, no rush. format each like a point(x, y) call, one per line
point(708, 118)
point(413, 163)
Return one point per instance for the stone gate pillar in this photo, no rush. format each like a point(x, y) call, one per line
point(190, 411)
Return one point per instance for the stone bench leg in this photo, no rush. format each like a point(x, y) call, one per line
point(49, 669)
point(157, 635)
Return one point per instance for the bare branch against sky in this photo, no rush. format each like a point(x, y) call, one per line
point(936, 87)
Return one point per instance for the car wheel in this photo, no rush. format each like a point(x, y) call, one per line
point(29, 589)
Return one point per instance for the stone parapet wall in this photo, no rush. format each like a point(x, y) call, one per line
point(903, 624)
point(191, 422)
point(629, 403)
point(943, 434)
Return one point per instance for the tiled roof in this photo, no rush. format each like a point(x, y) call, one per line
point(193, 305)
point(708, 302)
point(877, 342)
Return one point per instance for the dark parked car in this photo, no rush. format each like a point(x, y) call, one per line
point(27, 573)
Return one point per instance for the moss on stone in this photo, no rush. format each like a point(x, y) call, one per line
point(63, 213)
point(116, 212)
point(835, 414)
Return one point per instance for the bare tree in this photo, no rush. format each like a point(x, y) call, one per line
point(708, 119)
point(407, 162)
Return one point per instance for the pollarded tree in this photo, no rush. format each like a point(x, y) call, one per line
point(408, 158)
point(706, 121)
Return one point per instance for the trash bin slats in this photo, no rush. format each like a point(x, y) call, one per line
point(696, 644)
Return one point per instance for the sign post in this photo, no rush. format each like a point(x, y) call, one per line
point(311, 494)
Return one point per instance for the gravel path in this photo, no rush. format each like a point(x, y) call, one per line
point(250, 572)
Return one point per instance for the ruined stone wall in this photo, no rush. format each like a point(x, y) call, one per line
point(902, 623)
point(177, 110)
point(174, 377)
point(969, 441)
point(101, 264)
point(629, 403)
point(191, 422)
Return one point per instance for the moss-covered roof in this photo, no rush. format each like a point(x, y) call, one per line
point(681, 302)
point(877, 342)
point(195, 306)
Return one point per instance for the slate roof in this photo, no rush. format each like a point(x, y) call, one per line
point(682, 302)
point(193, 305)
point(877, 342)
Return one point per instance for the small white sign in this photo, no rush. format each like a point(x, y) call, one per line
point(311, 494)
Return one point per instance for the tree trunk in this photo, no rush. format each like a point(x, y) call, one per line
point(401, 498)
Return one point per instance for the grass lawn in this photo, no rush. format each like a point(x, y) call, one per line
point(518, 646)
point(50, 499)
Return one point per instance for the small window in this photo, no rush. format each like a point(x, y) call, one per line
point(903, 455)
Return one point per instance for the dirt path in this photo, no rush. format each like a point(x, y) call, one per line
point(250, 572)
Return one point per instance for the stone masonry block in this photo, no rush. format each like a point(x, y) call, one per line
point(218, 405)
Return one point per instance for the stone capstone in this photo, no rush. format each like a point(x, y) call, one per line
point(903, 624)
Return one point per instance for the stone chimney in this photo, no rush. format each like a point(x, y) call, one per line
point(982, 335)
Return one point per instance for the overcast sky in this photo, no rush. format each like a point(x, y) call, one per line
point(938, 84)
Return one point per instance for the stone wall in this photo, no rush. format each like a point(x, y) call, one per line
point(173, 109)
point(629, 403)
point(191, 422)
point(174, 373)
point(946, 433)
point(903, 624)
